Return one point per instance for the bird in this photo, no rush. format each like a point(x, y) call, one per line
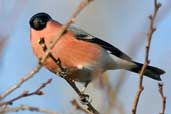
point(85, 56)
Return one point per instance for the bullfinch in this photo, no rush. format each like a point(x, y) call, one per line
point(83, 55)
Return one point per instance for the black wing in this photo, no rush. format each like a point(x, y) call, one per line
point(82, 35)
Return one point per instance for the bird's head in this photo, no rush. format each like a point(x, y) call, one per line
point(39, 21)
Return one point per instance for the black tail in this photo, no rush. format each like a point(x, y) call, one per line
point(151, 72)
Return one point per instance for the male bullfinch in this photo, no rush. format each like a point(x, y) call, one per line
point(83, 55)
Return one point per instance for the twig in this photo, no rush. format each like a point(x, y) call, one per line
point(21, 81)
point(83, 97)
point(63, 72)
point(163, 97)
point(71, 20)
point(78, 107)
point(27, 94)
point(146, 61)
point(111, 92)
point(36, 69)
point(120, 107)
point(25, 107)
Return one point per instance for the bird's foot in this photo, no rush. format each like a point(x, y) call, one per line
point(85, 99)
point(62, 73)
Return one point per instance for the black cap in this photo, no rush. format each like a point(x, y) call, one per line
point(39, 21)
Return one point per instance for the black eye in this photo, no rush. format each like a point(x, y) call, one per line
point(39, 21)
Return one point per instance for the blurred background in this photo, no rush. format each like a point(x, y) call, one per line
point(123, 23)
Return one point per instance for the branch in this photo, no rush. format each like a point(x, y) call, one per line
point(27, 94)
point(63, 72)
point(146, 61)
point(163, 97)
point(25, 107)
point(112, 92)
point(36, 69)
point(21, 81)
point(58, 36)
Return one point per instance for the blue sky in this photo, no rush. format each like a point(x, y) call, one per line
point(122, 23)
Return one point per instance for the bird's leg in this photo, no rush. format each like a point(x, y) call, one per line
point(84, 98)
point(85, 87)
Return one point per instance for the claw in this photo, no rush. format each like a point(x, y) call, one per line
point(85, 99)
point(63, 74)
